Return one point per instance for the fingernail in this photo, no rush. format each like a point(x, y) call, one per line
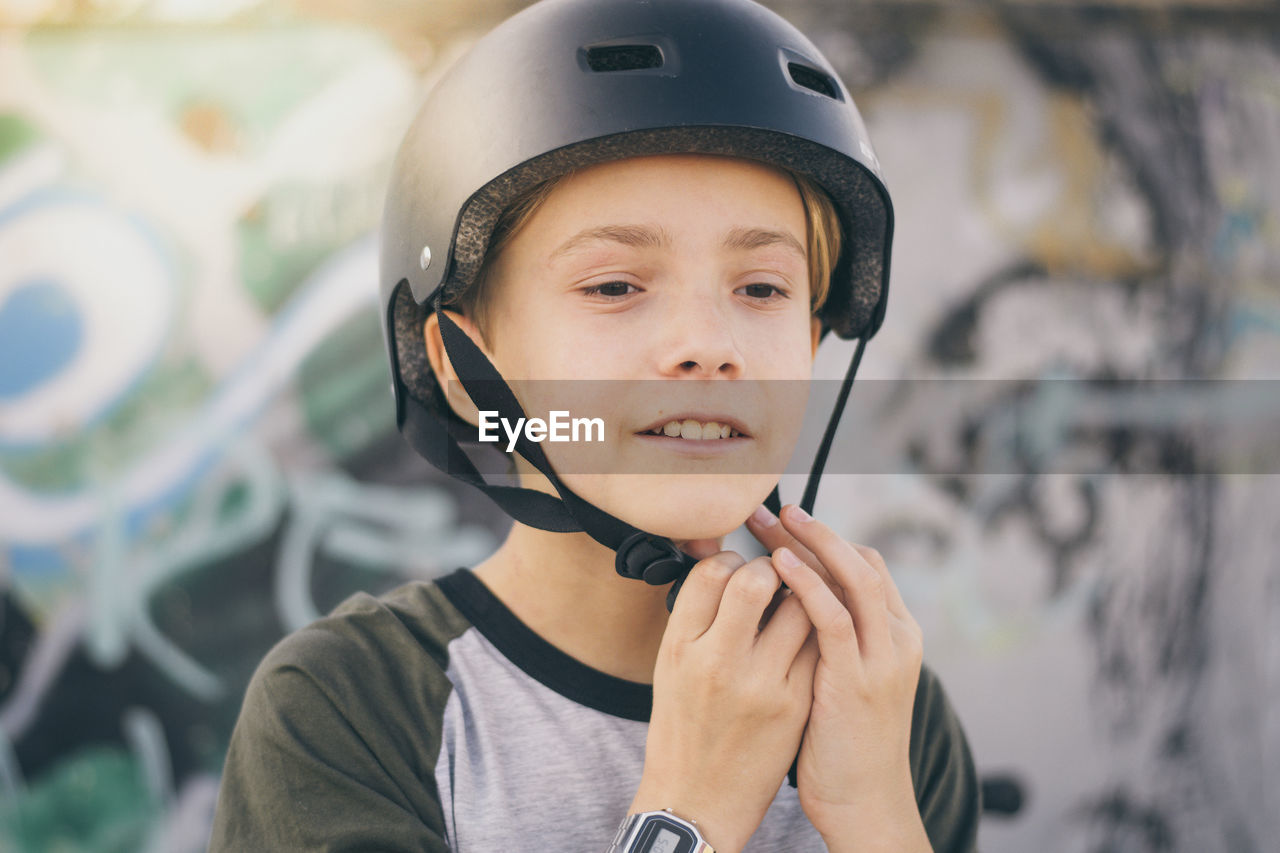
point(788, 559)
point(763, 518)
point(800, 515)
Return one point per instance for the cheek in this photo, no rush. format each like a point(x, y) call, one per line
point(557, 347)
point(789, 352)
point(536, 337)
point(527, 342)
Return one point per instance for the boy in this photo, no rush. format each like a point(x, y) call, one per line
point(620, 190)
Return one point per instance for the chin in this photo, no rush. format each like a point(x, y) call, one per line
point(679, 507)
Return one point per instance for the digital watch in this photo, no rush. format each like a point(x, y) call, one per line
point(659, 832)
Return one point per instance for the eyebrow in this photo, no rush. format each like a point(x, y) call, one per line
point(759, 238)
point(638, 236)
point(651, 237)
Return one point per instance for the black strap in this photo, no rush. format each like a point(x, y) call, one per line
point(820, 460)
point(639, 555)
point(773, 502)
point(430, 437)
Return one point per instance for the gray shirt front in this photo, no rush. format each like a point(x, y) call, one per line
point(433, 719)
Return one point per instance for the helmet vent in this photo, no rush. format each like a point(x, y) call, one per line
point(813, 80)
point(624, 57)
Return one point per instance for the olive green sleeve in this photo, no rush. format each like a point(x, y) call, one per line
point(336, 744)
point(946, 783)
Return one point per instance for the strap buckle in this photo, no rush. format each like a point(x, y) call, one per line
point(652, 559)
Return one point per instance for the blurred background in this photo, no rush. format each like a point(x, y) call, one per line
point(197, 448)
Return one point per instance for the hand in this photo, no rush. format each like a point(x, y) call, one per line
point(730, 700)
point(854, 764)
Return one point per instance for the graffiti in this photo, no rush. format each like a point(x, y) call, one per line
point(197, 451)
point(164, 428)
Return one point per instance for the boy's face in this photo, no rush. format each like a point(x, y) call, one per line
point(688, 269)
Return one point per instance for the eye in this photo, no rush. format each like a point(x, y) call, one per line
point(611, 289)
point(764, 292)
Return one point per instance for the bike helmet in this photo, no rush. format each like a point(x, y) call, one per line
point(566, 84)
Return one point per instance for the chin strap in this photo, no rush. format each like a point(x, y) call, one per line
point(640, 555)
point(829, 436)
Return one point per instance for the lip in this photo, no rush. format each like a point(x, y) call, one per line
point(696, 449)
point(701, 417)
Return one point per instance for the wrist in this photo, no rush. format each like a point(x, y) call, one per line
point(716, 826)
point(659, 832)
point(887, 820)
point(897, 839)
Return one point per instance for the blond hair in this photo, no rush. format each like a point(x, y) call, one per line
point(821, 221)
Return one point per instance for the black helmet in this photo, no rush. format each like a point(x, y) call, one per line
point(569, 83)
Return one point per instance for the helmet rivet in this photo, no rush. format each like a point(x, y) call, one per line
point(425, 258)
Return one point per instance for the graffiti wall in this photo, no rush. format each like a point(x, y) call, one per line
point(198, 454)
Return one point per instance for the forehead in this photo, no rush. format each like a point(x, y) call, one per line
point(690, 194)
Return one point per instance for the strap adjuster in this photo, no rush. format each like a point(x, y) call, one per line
point(652, 559)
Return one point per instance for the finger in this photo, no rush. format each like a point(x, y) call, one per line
point(864, 590)
point(896, 605)
point(909, 640)
point(784, 635)
point(837, 638)
point(699, 600)
point(806, 660)
point(778, 597)
point(745, 598)
point(764, 526)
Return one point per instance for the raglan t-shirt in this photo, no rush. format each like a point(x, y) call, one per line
point(432, 719)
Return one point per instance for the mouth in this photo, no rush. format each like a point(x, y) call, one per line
point(697, 427)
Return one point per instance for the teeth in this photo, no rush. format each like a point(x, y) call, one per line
point(696, 430)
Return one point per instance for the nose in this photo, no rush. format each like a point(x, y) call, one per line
point(698, 340)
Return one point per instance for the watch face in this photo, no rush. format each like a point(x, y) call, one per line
point(662, 835)
point(665, 841)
